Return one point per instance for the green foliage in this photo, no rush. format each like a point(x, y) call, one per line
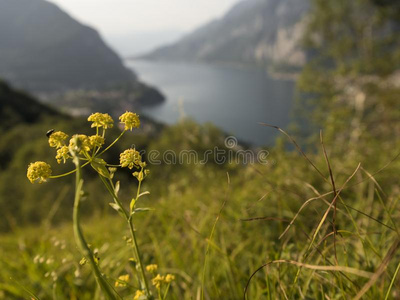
point(350, 86)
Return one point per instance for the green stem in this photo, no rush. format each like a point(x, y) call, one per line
point(166, 291)
point(108, 291)
point(392, 282)
point(135, 247)
point(70, 172)
point(109, 146)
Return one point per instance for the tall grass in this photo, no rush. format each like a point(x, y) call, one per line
point(320, 227)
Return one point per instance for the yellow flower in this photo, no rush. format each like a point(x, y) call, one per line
point(83, 144)
point(122, 280)
point(62, 154)
point(38, 172)
point(101, 120)
point(169, 278)
point(151, 268)
point(56, 139)
point(138, 294)
point(156, 281)
point(130, 158)
point(96, 141)
point(130, 119)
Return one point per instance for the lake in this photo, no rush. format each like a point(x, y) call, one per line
point(233, 99)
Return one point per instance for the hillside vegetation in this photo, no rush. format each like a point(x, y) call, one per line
point(320, 221)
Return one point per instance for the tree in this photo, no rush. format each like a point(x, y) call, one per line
point(352, 80)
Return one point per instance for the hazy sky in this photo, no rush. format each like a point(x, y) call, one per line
point(120, 17)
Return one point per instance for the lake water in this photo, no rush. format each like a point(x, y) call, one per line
point(233, 99)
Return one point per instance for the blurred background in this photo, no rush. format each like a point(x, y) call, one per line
point(195, 71)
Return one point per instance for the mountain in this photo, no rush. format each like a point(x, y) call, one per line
point(17, 107)
point(43, 49)
point(256, 32)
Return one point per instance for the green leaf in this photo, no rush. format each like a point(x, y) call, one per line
point(144, 193)
point(100, 166)
point(116, 189)
point(117, 208)
point(132, 205)
point(141, 209)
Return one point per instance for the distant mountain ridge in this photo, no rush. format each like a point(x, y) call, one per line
point(257, 32)
point(42, 48)
point(17, 107)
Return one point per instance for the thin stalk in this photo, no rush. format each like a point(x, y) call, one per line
point(108, 291)
point(112, 144)
point(392, 282)
point(70, 172)
point(166, 291)
point(135, 247)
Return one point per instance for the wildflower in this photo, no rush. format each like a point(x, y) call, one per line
point(130, 119)
point(130, 158)
point(62, 154)
point(38, 172)
point(156, 281)
point(122, 280)
point(151, 268)
point(101, 120)
point(57, 139)
point(83, 144)
point(138, 295)
point(169, 278)
point(96, 141)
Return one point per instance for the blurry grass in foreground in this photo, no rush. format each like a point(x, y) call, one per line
point(308, 260)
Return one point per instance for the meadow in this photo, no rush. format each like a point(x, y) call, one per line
point(311, 226)
point(317, 218)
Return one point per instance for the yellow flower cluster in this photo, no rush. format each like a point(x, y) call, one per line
point(130, 158)
point(38, 172)
point(158, 280)
point(138, 295)
point(151, 268)
point(122, 280)
point(101, 120)
point(96, 141)
point(130, 119)
point(82, 143)
point(62, 154)
point(169, 278)
point(57, 139)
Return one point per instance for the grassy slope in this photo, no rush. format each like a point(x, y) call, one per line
point(175, 236)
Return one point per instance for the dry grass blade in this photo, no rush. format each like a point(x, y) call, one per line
point(344, 269)
point(296, 145)
point(380, 269)
point(265, 219)
point(330, 206)
point(334, 194)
